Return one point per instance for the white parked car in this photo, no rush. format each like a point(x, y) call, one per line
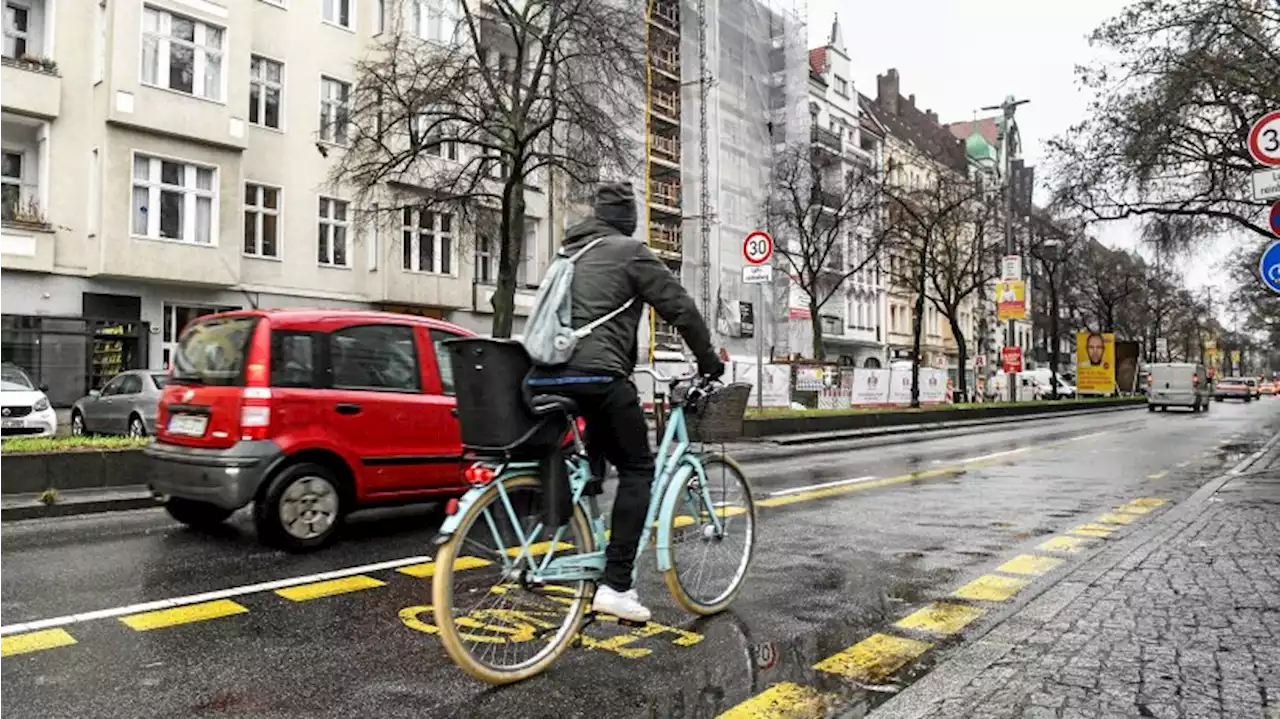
point(24, 408)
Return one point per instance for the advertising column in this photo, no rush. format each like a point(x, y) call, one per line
point(1096, 363)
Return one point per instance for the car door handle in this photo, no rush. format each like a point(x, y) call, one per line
point(348, 408)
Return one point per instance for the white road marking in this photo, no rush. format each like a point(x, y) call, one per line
point(824, 485)
point(993, 455)
point(206, 596)
point(1087, 436)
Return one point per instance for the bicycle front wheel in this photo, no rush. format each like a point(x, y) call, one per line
point(709, 565)
point(495, 625)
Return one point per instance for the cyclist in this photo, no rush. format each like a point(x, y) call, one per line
point(598, 375)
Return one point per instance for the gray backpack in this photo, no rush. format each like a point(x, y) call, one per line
point(549, 336)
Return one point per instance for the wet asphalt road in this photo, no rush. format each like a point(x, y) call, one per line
point(829, 570)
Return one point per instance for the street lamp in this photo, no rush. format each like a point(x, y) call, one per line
point(1007, 109)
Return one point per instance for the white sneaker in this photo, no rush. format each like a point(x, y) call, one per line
point(624, 605)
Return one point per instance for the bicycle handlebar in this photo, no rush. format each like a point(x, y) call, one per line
point(665, 379)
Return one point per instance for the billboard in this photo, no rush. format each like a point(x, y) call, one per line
point(1095, 362)
point(1011, 300)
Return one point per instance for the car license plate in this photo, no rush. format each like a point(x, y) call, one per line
point(191, 425)
point(12, 424)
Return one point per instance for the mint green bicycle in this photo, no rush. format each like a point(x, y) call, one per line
point(511, 592)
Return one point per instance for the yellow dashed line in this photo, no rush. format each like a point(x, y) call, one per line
point(183, 615)
point(940, 618)
point(991, 588)
point(873, 658)
point(1030, 564)
point(783, 701)
point(315, 590)
point(1158, 475)
point(35, 641)
point(539, 549)
point(1133, 509)
point(1117, 518)
point(1148, 502)
point(1067, 545)
point(428, 569)
point(1093, 530)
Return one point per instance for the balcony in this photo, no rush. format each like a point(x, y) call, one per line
point(666, 60)
point(665, 196)
point(31, 87)
point(666, 240)
point(826, 198)
point(665, 336)
point(665, 105)
point(665, 149)
point(666, 15)
point(824, 139)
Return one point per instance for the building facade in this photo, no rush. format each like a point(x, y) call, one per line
point(169, 158)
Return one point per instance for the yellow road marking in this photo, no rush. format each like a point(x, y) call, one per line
point(1029, 564)
point(861, 487)
point(1158, 475)
point(940, 618)
point(1068, 545)
point(428, 569)
point(873, 658)
point(183, 615)
point(1148, 502)
point(783, 701)
point(35, 641)
point(1117, 518)
point(684, 520)
point(539, 549)
point(315, 590)
point(991, 588)
point(1133, 509)
point(1093, 530)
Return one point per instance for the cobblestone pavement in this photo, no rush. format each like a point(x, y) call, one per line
point(1186, 627)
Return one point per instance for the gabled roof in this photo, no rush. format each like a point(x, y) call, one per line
point(987, 127)
point(921, 131)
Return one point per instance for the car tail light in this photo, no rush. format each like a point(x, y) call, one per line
point(479, 475)
point(255, 402)
point(1150, 381)
point(1195, 379)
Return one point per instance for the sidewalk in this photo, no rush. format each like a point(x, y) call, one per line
point(1181, 622)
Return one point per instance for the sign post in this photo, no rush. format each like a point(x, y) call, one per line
point(757, 249)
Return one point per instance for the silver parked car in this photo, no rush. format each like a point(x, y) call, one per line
point(126, 405)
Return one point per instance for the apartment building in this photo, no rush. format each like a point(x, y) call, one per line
point(164, 159)
point(854, 322)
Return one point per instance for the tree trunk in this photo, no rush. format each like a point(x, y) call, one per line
point(918, 330)
point(509, 257)
point(1053, 337)
point(962, 382)
point(815, 322)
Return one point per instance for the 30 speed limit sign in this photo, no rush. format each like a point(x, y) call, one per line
point(1264, 139)
point(758, 247)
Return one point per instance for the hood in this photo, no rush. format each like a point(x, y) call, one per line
point(21, 398)
point(586, 231)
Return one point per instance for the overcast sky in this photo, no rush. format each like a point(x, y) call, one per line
point(960, 55)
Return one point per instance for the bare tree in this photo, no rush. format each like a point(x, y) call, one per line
point(826, 219)
point(1053, 247)
point(923, 220)
point(482, 110)
point(1113, 282)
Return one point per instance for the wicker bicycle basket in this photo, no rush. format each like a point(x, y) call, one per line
point(718, 417)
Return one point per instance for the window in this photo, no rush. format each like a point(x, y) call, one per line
point(376, 357)
point(99, 41)
point(293, 359)
point(432, 134)
point(130, 384)
point(175, 318)
point(443, 364)
point(181, 54)
point(266, 83)
point(427, 239)
point(435, 20)
point(11, 176)
point(261, 220)
point(95, 192)
point(379, 16)
point(113, 387)
point(526, 271)
point(334, 112)
point(334, 225)
point(842, 86)
point(17, 25)
point(174, 201)
point(485, 260)
point(159, 379)
point(338, 12)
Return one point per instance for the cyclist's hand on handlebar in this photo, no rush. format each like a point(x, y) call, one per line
point(711, 368)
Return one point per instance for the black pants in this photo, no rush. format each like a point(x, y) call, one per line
point(616, 430)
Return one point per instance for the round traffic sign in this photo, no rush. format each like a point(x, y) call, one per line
point(758, 247)
point(1264, 139)
point(1275, 219)
point(1269, 267)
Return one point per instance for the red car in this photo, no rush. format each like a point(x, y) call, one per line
point(308, 414)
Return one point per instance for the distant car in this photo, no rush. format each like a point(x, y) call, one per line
point(1232, 388)
point(1267, 388)
point(24, 407)
point(126, 405)
point(1177, 384)
point(1255, 390)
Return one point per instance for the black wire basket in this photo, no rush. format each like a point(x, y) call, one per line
point(719, 415)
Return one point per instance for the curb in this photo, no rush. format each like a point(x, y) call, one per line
point(35, 510)
point(1018, 622)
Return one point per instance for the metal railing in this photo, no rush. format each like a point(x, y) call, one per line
point(666, 148)
point(666, 239)
point(667, 103)
point(666, 193)
point(825, 138)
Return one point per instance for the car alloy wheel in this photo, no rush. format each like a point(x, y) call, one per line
point(77, 424)
point(137, 428)
point(309, 507)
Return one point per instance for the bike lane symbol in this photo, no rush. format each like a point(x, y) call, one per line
point(1269, 267)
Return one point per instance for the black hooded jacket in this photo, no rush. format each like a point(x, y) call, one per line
point(613, 272)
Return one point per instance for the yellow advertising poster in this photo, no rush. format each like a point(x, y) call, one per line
point(1095, 362)
point(1011, 300)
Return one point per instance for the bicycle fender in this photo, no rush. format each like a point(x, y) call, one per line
point(667, 510)
point(451, 521)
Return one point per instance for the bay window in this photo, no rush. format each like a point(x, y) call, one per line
point(182, 54)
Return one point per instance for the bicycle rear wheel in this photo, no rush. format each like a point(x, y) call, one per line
point(495, 626)
point(699, 552)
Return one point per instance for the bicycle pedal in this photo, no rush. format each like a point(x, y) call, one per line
point(631, 623)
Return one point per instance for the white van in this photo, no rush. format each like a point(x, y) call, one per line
point(1178, 384)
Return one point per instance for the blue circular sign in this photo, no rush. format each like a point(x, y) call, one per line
point(1269, 267)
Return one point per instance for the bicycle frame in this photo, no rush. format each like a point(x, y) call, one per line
point(674, 465)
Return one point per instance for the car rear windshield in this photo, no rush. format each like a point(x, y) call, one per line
point(214, 352)
point(159, 380)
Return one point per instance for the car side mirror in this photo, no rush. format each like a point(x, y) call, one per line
point(44, 388)
point(94, 393)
